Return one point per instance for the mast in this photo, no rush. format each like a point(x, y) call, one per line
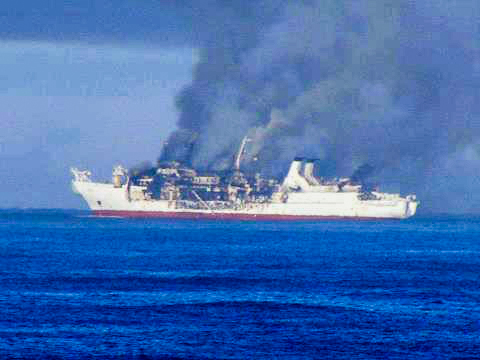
point(240, 153)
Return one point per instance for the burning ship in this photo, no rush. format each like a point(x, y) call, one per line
point(173, 190)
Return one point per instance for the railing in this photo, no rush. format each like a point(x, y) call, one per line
point(81, 175)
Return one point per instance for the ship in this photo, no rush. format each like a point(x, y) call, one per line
point(174, 190)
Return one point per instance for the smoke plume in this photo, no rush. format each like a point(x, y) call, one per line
point(390, 83)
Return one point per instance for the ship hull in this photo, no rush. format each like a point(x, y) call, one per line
point(227, 216)
point(107, 201)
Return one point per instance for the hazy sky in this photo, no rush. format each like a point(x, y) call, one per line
point(93, 83)
point(83, 85)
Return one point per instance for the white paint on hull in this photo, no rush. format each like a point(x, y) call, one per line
point(106, 197)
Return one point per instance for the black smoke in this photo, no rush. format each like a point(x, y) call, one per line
point(390, 83)
point(362, 173)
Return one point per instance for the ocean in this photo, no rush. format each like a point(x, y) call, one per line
point(74, 286)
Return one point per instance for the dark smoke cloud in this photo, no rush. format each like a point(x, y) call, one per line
point(390, 83)
point(362, 173)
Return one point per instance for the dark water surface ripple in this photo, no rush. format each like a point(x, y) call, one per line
point(73, 286)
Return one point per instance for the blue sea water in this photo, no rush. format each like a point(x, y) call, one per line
point(74, 286)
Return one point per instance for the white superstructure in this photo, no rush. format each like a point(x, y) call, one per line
point(301, 196)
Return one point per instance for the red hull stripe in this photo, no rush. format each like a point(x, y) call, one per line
point(220, 216)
